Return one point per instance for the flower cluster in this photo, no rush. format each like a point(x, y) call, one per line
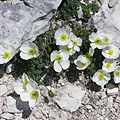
point(69, 44)
point(28, 90)
point(28, 50)
point(104, 41)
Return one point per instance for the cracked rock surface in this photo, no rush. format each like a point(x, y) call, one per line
point(108, 19)
point(24, 20)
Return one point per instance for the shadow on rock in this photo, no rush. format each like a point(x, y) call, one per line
point(93, 86)
point(2, 70)
point(51, 77)
point(21, 105)
point(72, 74)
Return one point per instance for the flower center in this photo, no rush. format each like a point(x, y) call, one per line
point(7, 55)
point(84, 64)
point(32, 52)
point(58, 58)
point(24, 85)
point(63, 37)
point(110, 52)
point(34, 94)
point(97, 41)
point(68, 49)
point(74, 43)
point(108, 65)
point(101, 76)
point(106, 40)
point(117, 73)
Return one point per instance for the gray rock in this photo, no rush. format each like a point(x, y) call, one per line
point(1, 105)
point(25, 20)
point(3, 90)
point(13, 1)
point(110, 102)
point(11, 105)
point(89, 107)
point(7, 116)
point(69, 97)
point(111, 89)
point(103, 95)
point(107, 19)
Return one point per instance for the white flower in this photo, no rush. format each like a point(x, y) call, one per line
point(90, 53)
point(82, 62)
point(111, 52)
point(62, 36)
point(65, 48)
point(117, 75)
point(6, 53)
point(107, 38)
point(109, 65)
point(28, 50)
point(32, 94)
point(60, 59)
point(101, 78)
point(75, 42)
point(20, 84)
point(96, 40)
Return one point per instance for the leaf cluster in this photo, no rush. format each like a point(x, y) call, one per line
point(68, 9)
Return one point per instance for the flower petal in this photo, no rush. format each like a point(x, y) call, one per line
point(25, 47)
point(18, 87)
point(70, 45)
point(25, 77)
point(25, 56)
point(57, 67)
point(76, 48)
point(53, 54)
point(65, 64)
point(65, 55)
point(25, 96)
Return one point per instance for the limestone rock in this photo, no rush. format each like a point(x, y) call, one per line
point(3, 90)
point(110, 102)
point(1, 105)
point(69, 97)
point(111, 89)
point(7, 116)
point(11, 105)
point(107, 19)
point(25, 20)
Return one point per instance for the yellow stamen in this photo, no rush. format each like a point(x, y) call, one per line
point(34, 94)
point(7, 55)
point(110, 52)
point(24, 85)
point(101, 76)
point(74, 43)
point(68, 49)
point(108, 65)
point(58, 58)
point(63, 37)
point(117, 73)
point(32, 52)
point(84, 64)
point(106, 40)
point(97, 41)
